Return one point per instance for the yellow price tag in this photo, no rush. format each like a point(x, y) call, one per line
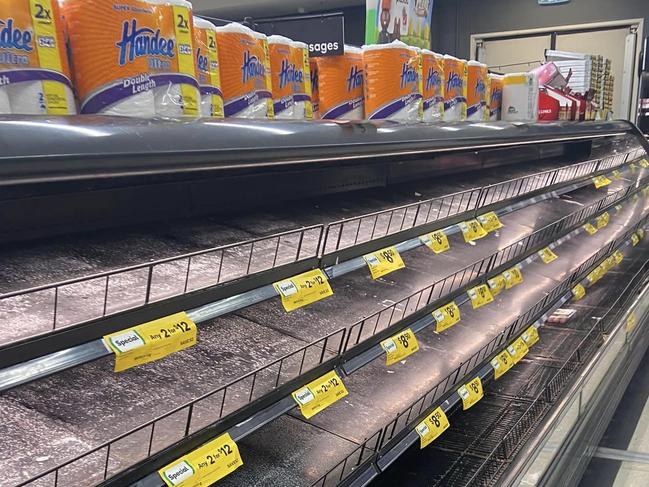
point(472, 230)
point(602, 220)
point(618, 257)
point(446, 316)
point(601, 181)
point(631, 322)
point(617, 175)
point(608, 264)
point(595, 275)
point(590, 229)
point(644, 163)
point(400, 346)
point(579, 291)
point(501, 363)
point(618, 208)
point(480, 296)
point(635, 240)
point(204, 466)
point(436, 241)
point(530, 336)
point(547, 255)
point(513, 277)
point(496, 284)
point(471, 393)
point(320, 394)
point(490, 222)
point(518, 350)
point(304, 289)
point(640, 233)
point(383, 262)
point(151, 341)
point(432, 427)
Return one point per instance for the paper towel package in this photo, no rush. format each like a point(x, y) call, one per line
point(111, 75)
point(283, 72)
point(520, 97)
point(315, 88)
point(302, 91)
point(495, 96)
point(34, 71)
point(393, 88)
point(176, 93)
point(477, 92)
point(455, 89)
point(245, 72)
point(339, 80)
point(207, 61)
point(433, 79)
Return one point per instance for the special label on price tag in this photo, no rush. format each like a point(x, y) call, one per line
point(617, 175)
point(601, 181)
point(631, 322)
point(518, 350)
point(446, 316)
point(513, 277)
point(432, 427)
point(490, 222)
point(383, 262)
point(471, 393)
point(501, 363)
point(619, 256)
point(436, 241)
point(644, 163)
point(472, 230)
point(480, 296)
point(530, 336)
point(635, 240)
point(579, 291)
point(400, 346)
point(595, 275)
point(304, 289)
point(602, 220)
point(590, 229)
point(320, 394)
point(547, 255)
point(496, 284)
point(204, 466)
point(151, 341)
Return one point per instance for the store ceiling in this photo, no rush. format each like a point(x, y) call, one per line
point(238, 9)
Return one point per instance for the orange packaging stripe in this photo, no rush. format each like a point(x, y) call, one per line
point(339, 84)
point(18, 49)
point(433, 73)
point(243, 70)
point(496, 97)
point(391, 80)
point(476, 88)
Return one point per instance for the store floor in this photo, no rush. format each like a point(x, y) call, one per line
point(622, 458)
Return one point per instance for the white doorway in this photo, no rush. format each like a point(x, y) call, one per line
point(619, 41)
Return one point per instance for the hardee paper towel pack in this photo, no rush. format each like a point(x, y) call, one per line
point(302, 91)
point(477, 92)
point(455, 90)
point(433, 79)
point(34, 72)
point(339, 85)
point(496, 96)
point(207, 61)
point(245, 72)
point(315, 87)
point(393, 85)
point(283, 72)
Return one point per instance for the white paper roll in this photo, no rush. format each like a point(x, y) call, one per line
point(141, 105)
point(5, 106)
point(28, 98)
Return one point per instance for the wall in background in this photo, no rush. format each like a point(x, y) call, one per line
point(455, 20)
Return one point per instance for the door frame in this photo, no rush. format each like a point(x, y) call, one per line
point(633, 24)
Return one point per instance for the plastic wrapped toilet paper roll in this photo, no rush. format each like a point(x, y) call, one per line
point(495, 96)
point(477, 93)
point(245, 72)
point(338, 83)
point(302, 90)
point(392, 82)
point(110, 77)
point(455, 89)
point(433, 81)
point(176, 93)
point(34, 71)
point(283, 71)
point(207, 56)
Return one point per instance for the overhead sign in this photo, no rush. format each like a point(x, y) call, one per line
point(324, 34)
point(406, 20)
